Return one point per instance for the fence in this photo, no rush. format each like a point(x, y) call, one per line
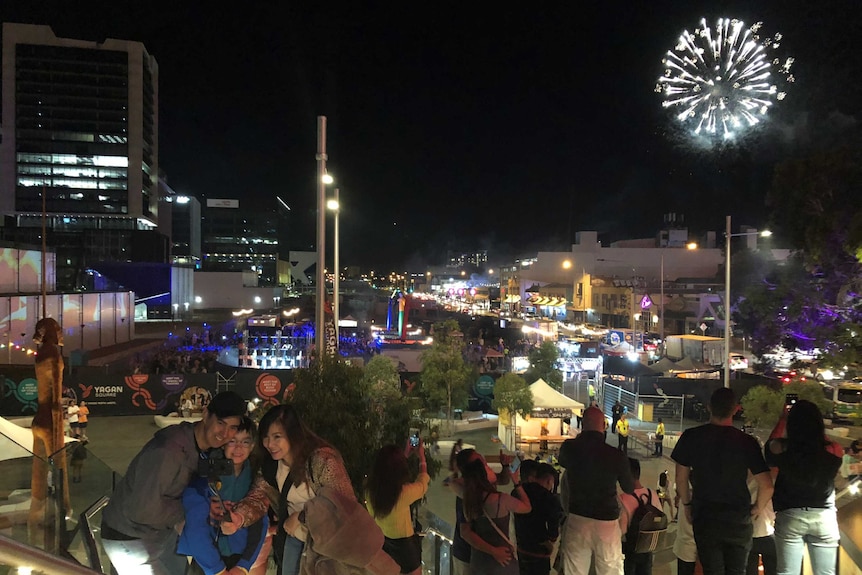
point(646, 408)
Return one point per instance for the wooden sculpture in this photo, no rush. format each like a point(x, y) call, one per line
point(47, 427)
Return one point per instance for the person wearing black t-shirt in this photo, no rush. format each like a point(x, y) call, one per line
point(804, 498)
point(716, 459)
point(538, 530)
point(593, 471)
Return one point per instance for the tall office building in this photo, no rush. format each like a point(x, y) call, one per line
point(238, 239)
point(79, 139)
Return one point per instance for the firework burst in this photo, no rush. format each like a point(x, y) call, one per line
point(723, 81)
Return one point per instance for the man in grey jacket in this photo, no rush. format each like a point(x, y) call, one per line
point(141, 523)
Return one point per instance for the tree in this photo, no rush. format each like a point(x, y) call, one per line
point(334, 401)
point(817, 200)
point(763, 405)
point(512, 395)
point(797, 309)
point(445, 376)
point(392, 407)
point(813, 303)
point(543, 364)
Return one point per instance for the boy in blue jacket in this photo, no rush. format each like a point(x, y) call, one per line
point(213, 552)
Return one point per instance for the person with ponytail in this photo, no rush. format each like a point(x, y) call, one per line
point(389, 494)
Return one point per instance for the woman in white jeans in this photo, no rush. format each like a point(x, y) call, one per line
point(804, 498)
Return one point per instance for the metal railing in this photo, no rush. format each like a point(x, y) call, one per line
point(26, 558)
point(646, 408)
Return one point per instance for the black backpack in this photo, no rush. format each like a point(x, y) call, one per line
point(647, 527)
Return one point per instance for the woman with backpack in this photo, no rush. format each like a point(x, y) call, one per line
point(630, 515)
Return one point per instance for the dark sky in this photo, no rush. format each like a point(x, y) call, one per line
point(465, 125)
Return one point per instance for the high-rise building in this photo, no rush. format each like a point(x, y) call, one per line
point(79, 141)
point(238, 239)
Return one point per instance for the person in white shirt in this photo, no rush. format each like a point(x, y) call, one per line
point(763, 540)
point(73, 410)
point(187, 407)
point(684, 547)
point(636, 563)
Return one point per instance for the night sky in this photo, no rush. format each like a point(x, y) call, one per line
point(466, 125)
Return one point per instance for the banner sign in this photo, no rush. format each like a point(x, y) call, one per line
point(551, 413)
point(140, 394)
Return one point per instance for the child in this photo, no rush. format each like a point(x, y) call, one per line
point(79, 454)
point(214, 552)
point(453, 470)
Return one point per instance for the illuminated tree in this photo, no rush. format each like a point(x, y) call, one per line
point(813, 302)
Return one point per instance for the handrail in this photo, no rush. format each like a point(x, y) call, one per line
point(87, 532)
point(439, 539)
point(15, 553)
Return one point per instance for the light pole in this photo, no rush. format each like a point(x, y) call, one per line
point(727, 323)
point(661, 311)
point(335, 206)
point(321, 235)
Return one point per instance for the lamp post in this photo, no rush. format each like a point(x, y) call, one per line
point(661, 310)
point(727, 323)
point(321, 235)
point(335, 206)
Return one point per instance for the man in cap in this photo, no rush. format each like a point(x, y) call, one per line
point(141, 522)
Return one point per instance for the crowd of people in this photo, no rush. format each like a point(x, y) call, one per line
point(176, 360)
point(732, 519)
point(229, 494)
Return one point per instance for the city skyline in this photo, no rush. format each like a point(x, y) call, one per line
point(465, 128)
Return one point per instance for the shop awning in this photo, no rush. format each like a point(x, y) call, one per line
point(547, 301)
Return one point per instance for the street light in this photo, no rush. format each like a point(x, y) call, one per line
point(333, 204)
point(727, 322)
point(322, 176)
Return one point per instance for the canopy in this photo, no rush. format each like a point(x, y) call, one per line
point(663, 365)
point(547, 300)
point(687, 364)
point(624, 366)
point(491, 352)
point(546, 396)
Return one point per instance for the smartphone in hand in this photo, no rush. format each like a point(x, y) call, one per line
point(516, 463)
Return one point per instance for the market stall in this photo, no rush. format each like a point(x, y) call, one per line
point(545, 424)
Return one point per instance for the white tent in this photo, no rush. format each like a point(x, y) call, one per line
point(550, 407)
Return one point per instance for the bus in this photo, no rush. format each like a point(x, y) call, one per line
point(846, 398)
